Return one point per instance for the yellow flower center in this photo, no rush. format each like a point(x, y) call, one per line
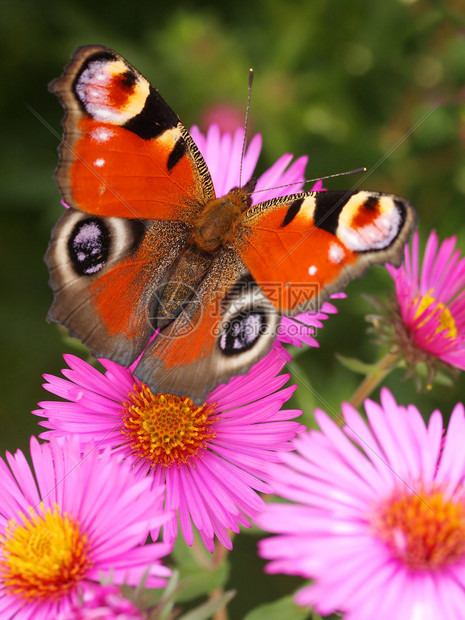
point(44, 557)
point(424, 531)
point(446, 320)
point(165, 429)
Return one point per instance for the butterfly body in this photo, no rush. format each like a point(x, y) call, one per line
point(147, 245)
point(216, 224)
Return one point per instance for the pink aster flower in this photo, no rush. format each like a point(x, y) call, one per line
point(71, 519)
point(377, 517)
point(210, 459)
point(431, 303)
point(103, 602)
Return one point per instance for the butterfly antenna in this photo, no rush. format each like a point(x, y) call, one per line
point(338, 174)
point(328, 176)
point(246, 122)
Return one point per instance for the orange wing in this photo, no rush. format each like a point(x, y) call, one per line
point(302, 248)
point(124, 152)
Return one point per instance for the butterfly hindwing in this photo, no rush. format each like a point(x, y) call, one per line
point(303, 248)
point(105, 274)
point(124, 152)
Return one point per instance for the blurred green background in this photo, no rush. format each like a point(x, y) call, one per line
point(360, 83)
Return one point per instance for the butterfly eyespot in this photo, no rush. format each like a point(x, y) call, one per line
point(242, 332)
point(89, 246)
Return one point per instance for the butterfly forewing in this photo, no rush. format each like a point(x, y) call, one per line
point(302, 248)
point(105, 274)
point(124, 152)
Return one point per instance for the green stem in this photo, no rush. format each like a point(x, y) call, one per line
point(371, 381)
point(219, 556)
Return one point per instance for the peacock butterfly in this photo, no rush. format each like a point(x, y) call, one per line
point(146, 245)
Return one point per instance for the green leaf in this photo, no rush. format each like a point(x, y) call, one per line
point(164, 600)
point(304, 397)
point(201, 581)
point(282, 608)
point(355, 365)
point(205, 611)
point(187, 557)
point(198, 574)
point(444, 380)
point(440, 378)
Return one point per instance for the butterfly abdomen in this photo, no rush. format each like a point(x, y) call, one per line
point(178, 288)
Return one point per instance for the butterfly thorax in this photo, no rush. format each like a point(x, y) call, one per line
point(216, 223)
